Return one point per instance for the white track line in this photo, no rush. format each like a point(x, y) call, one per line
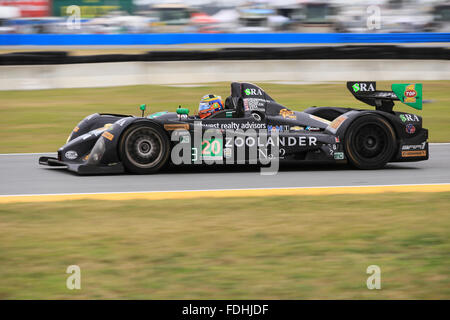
point(44, 153)
point(27, 154)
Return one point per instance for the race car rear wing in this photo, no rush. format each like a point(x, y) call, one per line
point(409, 94)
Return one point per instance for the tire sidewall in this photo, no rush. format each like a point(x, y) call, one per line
point(350, 135)
point(165, 149)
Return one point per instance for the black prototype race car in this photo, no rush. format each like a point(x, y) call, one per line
point(367, 139)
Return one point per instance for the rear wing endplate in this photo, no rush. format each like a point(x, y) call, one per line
point(409, 94)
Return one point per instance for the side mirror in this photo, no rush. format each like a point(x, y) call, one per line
point(143, 107)
point(182, 111)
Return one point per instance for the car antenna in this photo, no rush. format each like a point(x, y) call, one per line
point(143, 107)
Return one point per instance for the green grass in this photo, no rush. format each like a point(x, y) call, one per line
point(278, 247)
point(41, 120)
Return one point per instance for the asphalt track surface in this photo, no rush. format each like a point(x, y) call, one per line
point(20, 174)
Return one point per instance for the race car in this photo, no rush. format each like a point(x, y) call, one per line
point(251, 128)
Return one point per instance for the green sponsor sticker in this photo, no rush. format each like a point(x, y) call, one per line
point(247, 92)
point(409, 93)
point(356, 87)
point(182, 111)
point(157, 114)
point(339, 156)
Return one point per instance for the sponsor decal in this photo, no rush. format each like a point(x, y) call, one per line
point(415, 153)
point(71, 155)
point(171, 127)
point(332, 148)
point(256, 116)
point(336, 123)
point(93, 133)
point(319, 119)
point(121, 122)
point(336, 139)
point(409, 117)
point(363, 87)
point(156, 115)
point(254, 104)
point(108, 135)
point(410, 129)
point(249, 125)
point(410, 93)
point(249, 141)
point(212, 149)
point(253, 92)
point(76, 129)
point(185, 138)
point(272, 128)
point(415, 146)
point(229, 114)
point(287, 114)
point(297, 128)
point(235, 125)
point(227, 153)
point(308, 128)
point(339, 156)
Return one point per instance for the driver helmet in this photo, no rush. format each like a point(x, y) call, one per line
point(209, 105)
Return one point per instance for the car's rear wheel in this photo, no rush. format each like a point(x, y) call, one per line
point(369, 142)
point(144, 148)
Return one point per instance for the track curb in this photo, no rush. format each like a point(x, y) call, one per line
point(226, 193)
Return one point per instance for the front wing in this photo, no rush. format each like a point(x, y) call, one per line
point(82, 168)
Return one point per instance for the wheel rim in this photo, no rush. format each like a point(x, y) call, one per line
point(370, 142)
point(143, 147)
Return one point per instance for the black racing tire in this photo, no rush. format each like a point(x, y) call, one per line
point(144, 148)
point(370, 142)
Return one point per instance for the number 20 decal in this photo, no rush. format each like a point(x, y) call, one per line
point(213, 147)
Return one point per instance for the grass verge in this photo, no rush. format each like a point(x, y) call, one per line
point(41, 120)
point(241, 248)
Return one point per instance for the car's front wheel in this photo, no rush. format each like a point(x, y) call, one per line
point(370, 142)
point(144, 148)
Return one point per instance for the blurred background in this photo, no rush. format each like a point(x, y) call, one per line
point(61, 60)
point(223, 16)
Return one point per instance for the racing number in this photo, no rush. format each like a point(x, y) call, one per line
point(212, 149)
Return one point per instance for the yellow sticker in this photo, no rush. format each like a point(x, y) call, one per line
point(416, 153)
point(108, 135)
point(287, 114)
point(170, 127)
point(337, 122)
